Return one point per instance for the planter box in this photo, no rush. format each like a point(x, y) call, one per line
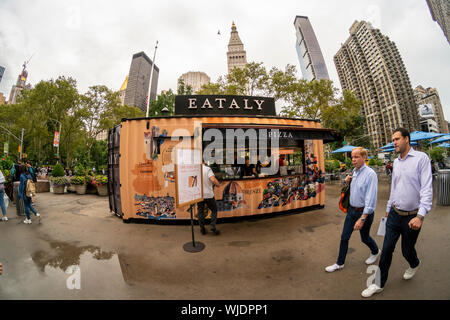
point(71, 188)
point(80, 189)
point(42, 186)
point(102, 190)
point(58, 189)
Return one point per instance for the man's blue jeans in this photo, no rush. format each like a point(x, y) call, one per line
point(350, 220)
point(2, 202)
point(28, 206)
point(397, 225)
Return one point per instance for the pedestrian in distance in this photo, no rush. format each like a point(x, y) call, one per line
point(31, 170)
point(24, 177)
point(363, 201)
point(209, 181)
point(409, 202)
point(2, 196)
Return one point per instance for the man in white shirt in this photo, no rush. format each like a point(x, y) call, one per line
point(209, 180)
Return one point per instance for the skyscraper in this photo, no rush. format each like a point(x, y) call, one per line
point(195, 79)
point(310, 56)
point(236, 55)
point(2, 71)
point(426, 98)
point(369, 64)
point(2, 99)
point(440, 12)
point(19, 86)
point(123, 90)
point(139, 80)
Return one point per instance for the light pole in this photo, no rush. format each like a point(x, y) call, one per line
point(150, 84)
point(57, 152)
point(21, 140)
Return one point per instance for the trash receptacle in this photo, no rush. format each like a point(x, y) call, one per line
point(443, 187)
point(20, 207)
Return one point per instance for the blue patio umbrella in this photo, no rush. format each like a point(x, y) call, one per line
point(391, 146)
point(443, 138)
point(344, 149)
point(445, 145)
point(421, 135)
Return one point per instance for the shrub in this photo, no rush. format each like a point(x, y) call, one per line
point(348, 163)
point(58, 171)
point(78, 180)
point(79, 170)
point(59, 181)
point(99, 180)
point(372, 162)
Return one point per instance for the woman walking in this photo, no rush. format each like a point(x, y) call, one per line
point(2, 196)
point(24, 176)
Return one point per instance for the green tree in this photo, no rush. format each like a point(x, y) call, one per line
point(165, 100)
point(183, 89)
point(101, 110)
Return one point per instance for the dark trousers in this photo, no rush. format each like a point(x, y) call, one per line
point(350, 220)
point(211, 204)
point(28, 206)
point(397, 225)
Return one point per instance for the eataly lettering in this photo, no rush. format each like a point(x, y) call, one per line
point(233, 104)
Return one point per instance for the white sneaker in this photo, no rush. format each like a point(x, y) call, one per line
point(373, 257)
point(410, 272)
point(334, 267)
point(5, 218)
point(38, 215)
point(371, 290)
point(27, 221)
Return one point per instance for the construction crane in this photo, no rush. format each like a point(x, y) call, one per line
point(26, 62)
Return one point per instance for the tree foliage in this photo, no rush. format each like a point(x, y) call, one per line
point(56, 104)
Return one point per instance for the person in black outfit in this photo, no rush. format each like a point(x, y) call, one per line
point(248, 169)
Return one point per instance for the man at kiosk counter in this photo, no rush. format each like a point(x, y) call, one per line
point(209, 181)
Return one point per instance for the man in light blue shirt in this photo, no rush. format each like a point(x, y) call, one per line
point(363, 200)
point(409, 202)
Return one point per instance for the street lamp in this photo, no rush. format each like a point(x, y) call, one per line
point(21, 140)
point(57, 152)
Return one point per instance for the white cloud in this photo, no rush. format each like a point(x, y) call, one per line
point(93, 41)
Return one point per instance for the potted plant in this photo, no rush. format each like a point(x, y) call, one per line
point(101, 182)
point(91, 188)
point(58, 179)
point(80, 184)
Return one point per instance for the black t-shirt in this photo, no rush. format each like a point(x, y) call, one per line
point(248, 170)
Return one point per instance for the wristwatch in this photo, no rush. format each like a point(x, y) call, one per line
point(363, 219)
point(421, 217)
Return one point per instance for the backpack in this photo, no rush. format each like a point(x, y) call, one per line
point(31, 188)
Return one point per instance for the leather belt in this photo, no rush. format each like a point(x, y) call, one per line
point(357, 209)
point(405, 213)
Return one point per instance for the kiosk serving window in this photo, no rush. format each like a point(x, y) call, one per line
point(255, 155)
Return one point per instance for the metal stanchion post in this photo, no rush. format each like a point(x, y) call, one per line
point(193, 246)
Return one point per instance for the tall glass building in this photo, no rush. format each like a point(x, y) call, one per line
point(310, 56)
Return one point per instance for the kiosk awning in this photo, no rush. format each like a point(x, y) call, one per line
point(285, 131)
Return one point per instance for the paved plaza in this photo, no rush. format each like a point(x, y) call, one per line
point(80, 250)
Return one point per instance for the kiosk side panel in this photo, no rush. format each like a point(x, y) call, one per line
point(115, 204)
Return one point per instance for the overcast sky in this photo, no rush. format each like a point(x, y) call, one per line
point(93, 41)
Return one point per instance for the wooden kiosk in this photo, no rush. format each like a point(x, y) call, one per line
point(141, 152)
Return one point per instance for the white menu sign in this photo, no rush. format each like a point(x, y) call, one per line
point(188, 177)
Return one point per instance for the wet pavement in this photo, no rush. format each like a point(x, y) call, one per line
point(82, 251)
